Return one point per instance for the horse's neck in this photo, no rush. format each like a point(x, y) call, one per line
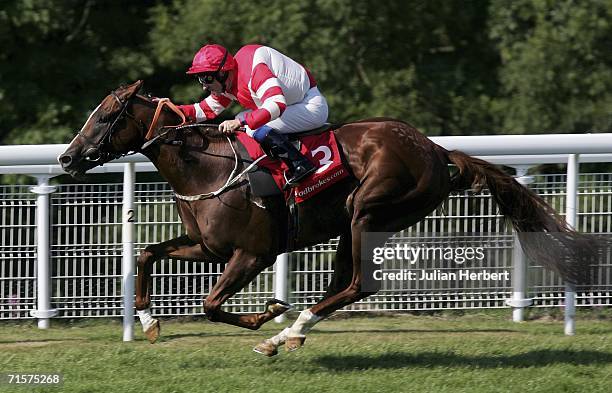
point(192, 169)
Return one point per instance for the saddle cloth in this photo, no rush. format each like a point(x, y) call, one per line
point(321, 149)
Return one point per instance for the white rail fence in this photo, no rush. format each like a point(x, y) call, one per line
point(68, 250)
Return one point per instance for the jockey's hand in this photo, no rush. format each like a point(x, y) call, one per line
point(229, 126)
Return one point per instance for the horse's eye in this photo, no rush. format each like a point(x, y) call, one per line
point(104, 118)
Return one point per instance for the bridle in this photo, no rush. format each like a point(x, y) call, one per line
point(98, 152)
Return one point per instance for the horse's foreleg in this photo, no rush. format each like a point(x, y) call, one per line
point(179, 248)
point(241, 270)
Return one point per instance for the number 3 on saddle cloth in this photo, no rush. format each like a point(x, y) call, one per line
point(320, 149)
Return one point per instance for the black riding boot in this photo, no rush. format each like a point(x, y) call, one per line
point(280, 147)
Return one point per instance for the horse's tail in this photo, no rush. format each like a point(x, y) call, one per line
point(545, 236)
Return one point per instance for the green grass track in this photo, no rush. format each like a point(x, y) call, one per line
point(446, 352)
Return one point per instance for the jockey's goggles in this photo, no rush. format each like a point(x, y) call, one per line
point(207, 79)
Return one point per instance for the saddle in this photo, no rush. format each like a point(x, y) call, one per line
point(315, 131)
point(261, 180)
point(320, 147)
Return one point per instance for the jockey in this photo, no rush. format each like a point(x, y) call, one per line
point(280, 95)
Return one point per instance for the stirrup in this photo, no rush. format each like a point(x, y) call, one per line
point(295, 180)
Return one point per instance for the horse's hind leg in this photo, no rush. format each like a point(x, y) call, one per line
point(178, 248)
point(341, 278)
point(344, 288)
point(373, 211)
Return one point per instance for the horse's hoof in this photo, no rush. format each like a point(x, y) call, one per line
point(266, 348)
point(294, 343)
point(153, 331)
point(277, 307)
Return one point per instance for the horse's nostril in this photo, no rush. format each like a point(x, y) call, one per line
point(65, 160)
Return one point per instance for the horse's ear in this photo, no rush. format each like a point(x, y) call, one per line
point(135, 87)
point(129, 90)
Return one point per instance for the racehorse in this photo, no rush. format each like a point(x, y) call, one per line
point(399, 176)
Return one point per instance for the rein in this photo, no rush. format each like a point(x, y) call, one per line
point(231, 180)
point(160, 104)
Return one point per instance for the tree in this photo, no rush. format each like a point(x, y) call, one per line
point(59, 58)
point(425, 62)
point(556, 65)
point(448, 67)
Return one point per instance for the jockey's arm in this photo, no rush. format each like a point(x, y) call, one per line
point(267, 90)
point(207, 109)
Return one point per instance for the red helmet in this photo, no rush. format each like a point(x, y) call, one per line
point(212, 58)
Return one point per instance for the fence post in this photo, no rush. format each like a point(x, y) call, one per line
point(571, 218)
point(518, 302)
point(127, 237)
point(281, 272)
point(43, 272)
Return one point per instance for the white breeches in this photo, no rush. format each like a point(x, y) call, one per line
point(305, 115)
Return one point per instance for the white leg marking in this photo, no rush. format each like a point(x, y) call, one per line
point(280, 338)
point(303, 324)
point(145, 318)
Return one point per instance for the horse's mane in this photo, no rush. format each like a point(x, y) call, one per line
point(209, 130)
point(335, 126)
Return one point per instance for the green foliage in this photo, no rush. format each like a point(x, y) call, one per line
point(448, 67)
point(59, 58)
point(415, 61)
point(557, 62)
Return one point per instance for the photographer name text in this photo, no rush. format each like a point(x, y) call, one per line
point(438, 275)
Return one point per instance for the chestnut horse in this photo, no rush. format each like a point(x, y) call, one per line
point(398, 177)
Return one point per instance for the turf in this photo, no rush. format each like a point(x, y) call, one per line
point(474, 352)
